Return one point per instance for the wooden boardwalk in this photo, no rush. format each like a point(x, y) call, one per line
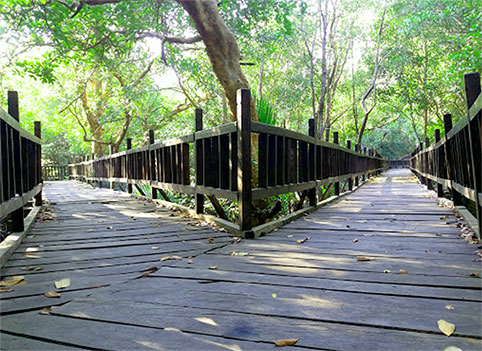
point(380, 268)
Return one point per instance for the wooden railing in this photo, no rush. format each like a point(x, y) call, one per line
point(223, 166)
point(55, 172)
point(454, 161)
point(20, 160)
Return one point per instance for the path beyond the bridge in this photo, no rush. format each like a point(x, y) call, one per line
point(374, 270)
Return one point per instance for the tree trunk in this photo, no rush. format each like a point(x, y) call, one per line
point(222, 49)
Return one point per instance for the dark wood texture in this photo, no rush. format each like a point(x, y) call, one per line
point(454, 161)
point(225, 157)
point(244, 159)
point(20, 162)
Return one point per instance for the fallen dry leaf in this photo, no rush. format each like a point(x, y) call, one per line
point(286, 342)
point(363, 258)
point(52, 294)
point(46, 310)
point(403, 271)
point(150, 269)
point(355, 240)
point(167, 258)
point(449, 307)
point(238, 253)
point(4, 290)
point(190, 260)
point(446, 327)
point(301, 241)
point(62, 283)
point(32, 255)
point(31, 268)
point(210, 240)
point(386, 271)
point(213, 267)
point(475, 274)
point(452, 348)
point(155, 247)
point(15, 280)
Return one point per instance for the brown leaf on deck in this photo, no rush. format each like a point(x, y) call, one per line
point(4, 290)
point(301, 241)
point(285, 342)
point(167, 258)
point(363, 258)
point(52, 294)
point(46, 310)
point(15, 280)
point(475, 274)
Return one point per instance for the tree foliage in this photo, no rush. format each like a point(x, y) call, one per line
point(96, 72)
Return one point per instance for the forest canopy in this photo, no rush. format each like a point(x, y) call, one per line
point(94, 72)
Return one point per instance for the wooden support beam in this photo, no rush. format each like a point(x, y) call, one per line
point(164, 195)
point(438, 163)
point(217, 206)
point(13, 110)
point(350, 180)
point(472, 92)
point(199, 159)
point(38, 156)
point(139, 189)
point(337, 161)
point(244, 161)
point(313, 162)
point(357, 149)
point(450, 160)
point(129, 168)
point(152, 165)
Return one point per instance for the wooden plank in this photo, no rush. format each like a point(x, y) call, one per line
point(412, 314)
point(17, 342)
point(91, 335)
point(313, 335)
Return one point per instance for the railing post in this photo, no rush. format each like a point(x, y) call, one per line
point(311, 133)
point(450, 162)
point(440, 190)
point(17, 215)
point(244, 161)
point(422, 164)
point(337, 184)
point(128, 166)
point(198, 164)
point(428, 181)
point(472, 92)
point(152, 164)
point(38, 156)
point(350, 180)
point(111, 167)
point(357, 149)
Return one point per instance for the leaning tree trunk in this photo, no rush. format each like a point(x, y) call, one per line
point(221, 47)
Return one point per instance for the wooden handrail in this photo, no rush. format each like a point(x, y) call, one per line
point(454, 161)
point(287, 161)
point(20, 161)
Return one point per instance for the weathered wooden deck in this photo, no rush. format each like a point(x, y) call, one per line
point(262, 290)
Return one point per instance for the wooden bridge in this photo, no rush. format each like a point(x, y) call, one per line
point(386, 263)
